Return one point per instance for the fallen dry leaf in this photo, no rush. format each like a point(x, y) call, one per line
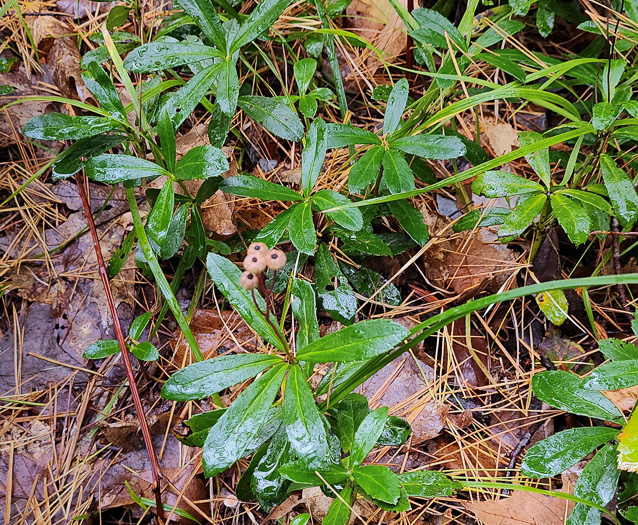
point(65, 58)
point(501, 136)
point(625, 399)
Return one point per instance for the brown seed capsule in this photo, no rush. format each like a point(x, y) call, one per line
point(258, 247)
point(275, 259)
point(249, 280)
point(255, 262)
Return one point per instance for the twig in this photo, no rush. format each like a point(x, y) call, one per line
point(82, 184)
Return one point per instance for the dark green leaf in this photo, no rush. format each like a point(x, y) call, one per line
point(249, 186)
point(497, 60)
point(411, 220)
point(621, 191)
point(433, 28)
point(204, 14)
point(611, 77)
point(365, 170)
point(544, 18)
point(557, 453)
point(604, 114)
point(267, 484)
point(160, 217)
point(243, 490)
point(273, 231)
point(300, 473)
point(198, 428)
point(481, 217)
point(618, 350)
point(304, 70)
point(396, 105)
point(342, 135)
point(304, 308)
point(599, 479)
point(495, 184)
point(183, 102)
point(230, 438)
point(226, 275)
point(539, 160)
point(587, 197)
point(218, 127)
point(430, 146)
point(166, 134)
point(520, 218)
point(308, 106)
point(101, 86)
point(138, 325)
point(313, 155)
point(613, 376)
point(101, 349)
point(74, 158)
point(368, 283)
point(274, 115)
point(301, 229)
point(259, 21)
point(572, 217)
point(428, 484)
point(339, 511)
point(396, 172)
point(59, 126)
point(563, 390)
point(349, 218)
point(158, 56)
point(198, 233)
point(175, 234)
point(339, 302)
point(379, 482)
point(116, 17)
point(362, 241)
point(206, 190)
point(201, 162)
point(584, 515)
point(227, 88)
point(395, 433)
point(366, 438)
point(630, 514)
point(112, 169)
point(402, 505)
point(351, 411)
point(304, 424)
point(362, 341)
point(120, 255)
point(145, 352)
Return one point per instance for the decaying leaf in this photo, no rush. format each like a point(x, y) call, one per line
point(65, 58)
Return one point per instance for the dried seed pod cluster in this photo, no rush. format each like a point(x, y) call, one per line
point(259, 258)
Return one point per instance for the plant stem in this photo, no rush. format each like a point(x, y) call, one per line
point(160, 278)
point(82, 184)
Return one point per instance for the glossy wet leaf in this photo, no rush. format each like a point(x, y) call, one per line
point(230, 438)
point(300, 519)
point(184, 101)
point(599, 480)
point(274, 230)
point(553, 303)
point(157, 56)
point(304, 70)
point(199, 426)
point(411, 220)
point(604, 114)
point(396, 105)
point(313, 155)
point(75, 157)
point(339, 302)
point(112, 169)
point(266, 483)
point(102, 88)
point(366, 437)
point(370, 284)
point(621, 191)
point(361, 241)
point(138, 325)
point(589, 198)
point(519, 219)
point(495, 184)
point(300, 473)
point(612, 73)
point(361, 341)
point(101, 349)
point(509, 66)
point(159, 219)
point(176, 232)
point(201, 162)
point(339, 511)
point(613, 376)
point(145, 351)
point(365, 171)
point(618, 350)
point(342, 135)
point(379, 482)
point(304, 309)
point(273, 114)
point(397, 173)
point(428, 484)
point(225, 275)
point(205, 16)
point(227, 92)
point(166, 134)
point(350, 218)
point(301, 229)
point(395, 433)
point(259, 21)
point(304, 424)
point(430, 146)
point(119, 257)
point(557, 453)
point(564, 390)
point(308, 106)
point(628, 445)
point(539, 159)
point(60, 126)
point(249, 186)
point(433, 28)
point(351, 411)
point(481, 217)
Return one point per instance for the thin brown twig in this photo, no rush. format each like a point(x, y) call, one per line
point(615, 243)
point(83, 190)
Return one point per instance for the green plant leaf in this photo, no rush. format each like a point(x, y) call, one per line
point(557, 453)
point(201, 162)
point(218, 127)
point(613, 376)
point(494, 58)
point(205, 16)
point(539, 159)
point(101, 349)
point(396, 105)
point(59, 126)
point(175, 235)
point(274, 114)
point(254, 187)
point(342, 135)
point(101, 86)
point(313, 155)
point(411, 220)
point(361, 241)
point(621, 191)
point(481, 217)
point(618, 350)
point(627, 449)
point(138, 325)
point(368, 283)
point(564, 390)
point(304, 70)
point(301, 229)
point(274, 230)
point(351, 411)
point(304, 308)
point(544, 18)
point(269, 487)
point(397, 173)
point(365, 170)
point(183, 102)
point(199, 426)
point(379, 482)
point(553, 303)
point(326, 199)
point(433, 28)
point(117, 16)
point(494, 184)
point(339, 511)
point(599, 479)
point(145, 352)
point(308, 106)
point(428, 484)
point(74, 158)
point(604, 114)
point(226, 275)
point(395, 433)
point(119, 257)
point(366, 437)
point(166, 134)
point(112, 169)
point(587, 197)
point(519, 219)
point(612, 73)
point(300, 473)
point(339, 302)
point(430, 146)
point(362, 341)
point(300, 519)
point(158, 56)
point(159, 219)
point(304, 424)
point(259, 21)
point(572, 217)
point(230, 438)
point(227, 88)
